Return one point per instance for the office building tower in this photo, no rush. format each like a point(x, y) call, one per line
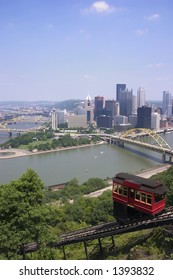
point(54, 119)
point(120, 120)
point(134, 104)
point(119, 89)
point(133, 120)
point(110, 107)
point(117, 109)
point(99, 105)
point(155, 121)
point(104, 121)
point(89, 109)
point(125, 100)
point(167, 104)
point(140, 97)
point(77, 121)
point(144, 117)
point(60, 117)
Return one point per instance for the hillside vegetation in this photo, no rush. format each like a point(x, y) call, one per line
point(30, 213)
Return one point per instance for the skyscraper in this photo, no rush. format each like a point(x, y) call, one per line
point(54, 119)
point(140, 97)
point(144, 117)
point(99, 105)
point(110, 106)
point(89, 109)
point(155, 121)
point(167, 104)
point(125, 100)
point(119, 89)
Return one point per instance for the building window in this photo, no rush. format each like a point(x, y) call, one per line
point(143, 197)
point(125, 191)
point(132, 193)
point(149, 199)
point(158, 197)
point(120, 190)
point(137, 195)
point(115, 188)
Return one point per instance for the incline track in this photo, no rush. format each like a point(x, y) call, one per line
point(114, 228)
point(108, 229)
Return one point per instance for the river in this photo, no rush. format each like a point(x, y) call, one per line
point(24, 125)
point(82, 163)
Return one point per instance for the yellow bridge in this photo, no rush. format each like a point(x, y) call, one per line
point(138, 137)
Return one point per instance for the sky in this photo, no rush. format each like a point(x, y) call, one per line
point(64, 49)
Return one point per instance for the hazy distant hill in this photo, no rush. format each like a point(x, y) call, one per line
point(68, 104)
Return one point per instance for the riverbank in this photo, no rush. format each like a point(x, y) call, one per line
point(15, 153)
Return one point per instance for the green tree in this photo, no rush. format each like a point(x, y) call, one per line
point(24, 218)
point(166, 177)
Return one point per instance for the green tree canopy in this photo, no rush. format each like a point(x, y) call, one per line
point(24, 218)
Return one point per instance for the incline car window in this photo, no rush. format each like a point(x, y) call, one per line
point(120, 189)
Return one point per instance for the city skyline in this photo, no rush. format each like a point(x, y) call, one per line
point(59, 50)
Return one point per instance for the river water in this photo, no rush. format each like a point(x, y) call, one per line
point(82, 163)
point(4, 135)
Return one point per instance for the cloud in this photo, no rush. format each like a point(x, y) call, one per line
point(156, 65)
point(141, 32)
point(99, 7)
point(153, 17)
point(86, 77)
point(162, 78)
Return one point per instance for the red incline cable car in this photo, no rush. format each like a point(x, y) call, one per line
point(132, 194)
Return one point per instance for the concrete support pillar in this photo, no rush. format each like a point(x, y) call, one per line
point(121, 144)
point(163, 158)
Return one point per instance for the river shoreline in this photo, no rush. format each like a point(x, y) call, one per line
point(15, 153)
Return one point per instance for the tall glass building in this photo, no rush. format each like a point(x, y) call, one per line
point(119, 89)
point(140, 97)
point(167, 104)
point(144, 117)
point(126, 102)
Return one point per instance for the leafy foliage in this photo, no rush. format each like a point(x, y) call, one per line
point(24, 218)
point(166, 177)
point(42, 141)
point(28, 138)
point(29, 213)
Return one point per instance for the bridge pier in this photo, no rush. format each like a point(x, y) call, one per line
point(170, 159)
point(163, 158)
point(121, 144)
